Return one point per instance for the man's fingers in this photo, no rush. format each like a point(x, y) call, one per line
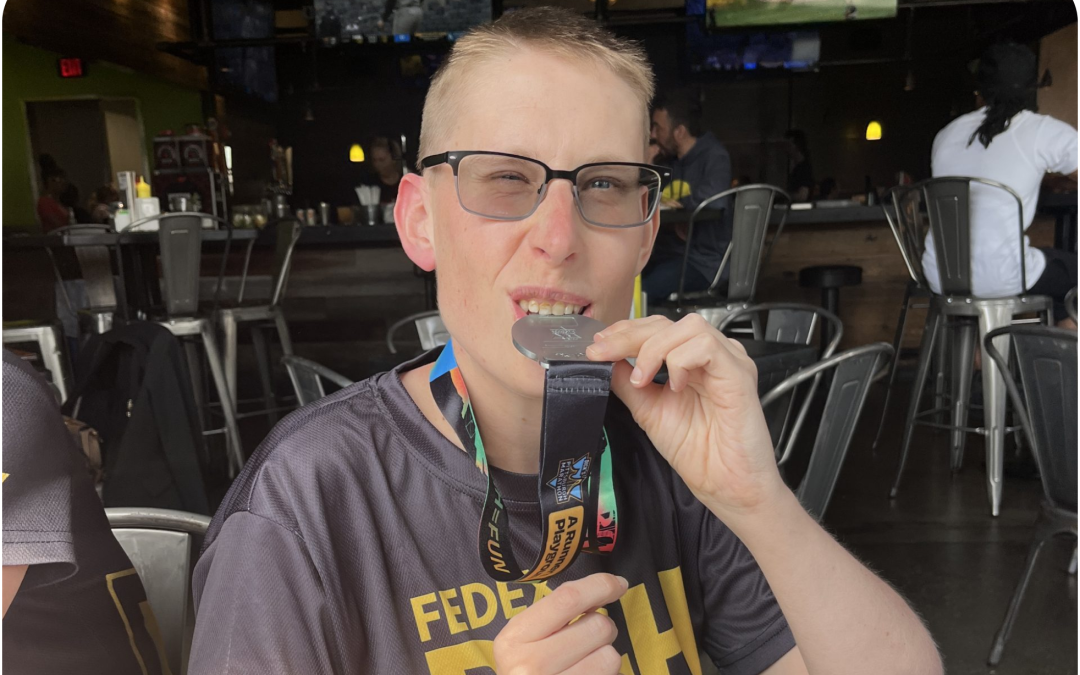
point(568, 601)
point(604, 661)
point(624, 343)
point(577, 641)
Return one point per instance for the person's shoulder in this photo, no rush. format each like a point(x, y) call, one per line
point(312, 452)
point(1048, 126)
point(963, 125)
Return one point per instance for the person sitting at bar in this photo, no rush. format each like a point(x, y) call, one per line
point(1006, 141)
point(386, 168)
point(50, 211)
point(800, 183)
point(349, 543)
point(72, 601)
point(701, 168)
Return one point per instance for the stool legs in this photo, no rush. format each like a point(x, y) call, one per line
point(52, 356)
point(830, 300)
point(897, 340)
point(926, 350)
point(228, 333)
point(262, 358)
point(963, 361)
point(992, 318)
point(217, 371)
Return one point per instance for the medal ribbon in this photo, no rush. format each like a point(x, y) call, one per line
point(577, 495)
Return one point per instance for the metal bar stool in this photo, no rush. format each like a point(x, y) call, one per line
point(746, 254)
point(180, 240)
point(968, 318)
point(229, 318)
point(307, 378)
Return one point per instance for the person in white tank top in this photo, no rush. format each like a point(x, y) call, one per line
point(1006, 141)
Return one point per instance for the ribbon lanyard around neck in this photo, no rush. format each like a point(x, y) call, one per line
point(577, 495)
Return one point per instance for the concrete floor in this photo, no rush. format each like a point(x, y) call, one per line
point(939, 546)
point(936, 543)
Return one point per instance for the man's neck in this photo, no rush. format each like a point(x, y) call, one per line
point(509, 423)
point(686, 146)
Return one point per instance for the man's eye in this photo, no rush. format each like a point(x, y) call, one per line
point(600, 184)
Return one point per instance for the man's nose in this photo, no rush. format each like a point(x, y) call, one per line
point(554, 233)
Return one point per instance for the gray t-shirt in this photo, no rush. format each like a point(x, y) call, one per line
point(349, 545)
point(81, 607)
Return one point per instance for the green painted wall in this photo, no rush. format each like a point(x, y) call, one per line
point(30, 74)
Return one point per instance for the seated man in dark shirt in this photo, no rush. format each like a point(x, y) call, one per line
point(701, 168)
point(72, 600)
point(349, 542)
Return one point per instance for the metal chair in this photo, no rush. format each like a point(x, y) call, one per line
point(180, 241)
point(1070, 304)
point(967, 318)
point(163, 545)
point(96, 270)
point(429, 327)
point(307, 377)
point(49, 339)
point(229, 318)
point(1046, 360)
point(905, 222)
point(853, 371)
point(746, 254)
point(791, 323)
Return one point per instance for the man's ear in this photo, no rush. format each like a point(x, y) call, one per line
point(648, 238)
point(413, 221)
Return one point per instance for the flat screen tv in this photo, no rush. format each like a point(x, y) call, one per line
point(397, 20)
point(728, 13)
point(710, 52)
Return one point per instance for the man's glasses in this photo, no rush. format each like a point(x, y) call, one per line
point(500, 186)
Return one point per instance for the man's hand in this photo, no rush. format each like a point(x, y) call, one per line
point(707, 422)
point(542, 639)
point(671, 203)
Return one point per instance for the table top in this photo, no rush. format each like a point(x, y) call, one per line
point(343, 235)
point(111, 239)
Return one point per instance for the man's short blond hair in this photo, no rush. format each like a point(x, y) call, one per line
point(551, 29)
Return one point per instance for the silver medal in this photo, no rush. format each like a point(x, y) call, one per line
point(555, 338)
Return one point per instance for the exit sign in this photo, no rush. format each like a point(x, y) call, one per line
point(71, 67)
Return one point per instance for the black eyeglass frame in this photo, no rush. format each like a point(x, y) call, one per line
point(454, 157)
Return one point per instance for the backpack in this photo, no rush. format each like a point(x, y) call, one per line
point(134, 389)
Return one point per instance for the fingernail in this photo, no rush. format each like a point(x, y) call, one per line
point(622, 580)
point(635, 377)
point(599, 335)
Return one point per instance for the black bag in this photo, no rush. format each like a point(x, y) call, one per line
point(133, 387)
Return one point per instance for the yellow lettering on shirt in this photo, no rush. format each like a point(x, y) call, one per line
point(468, 598)
point(653, 648)
point(462, 611)
point(459, 659)
point(452, 612)
point(507, 596)
point(423, 617)
point(676, 189)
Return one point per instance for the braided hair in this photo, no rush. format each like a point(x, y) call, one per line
point(1007, 77)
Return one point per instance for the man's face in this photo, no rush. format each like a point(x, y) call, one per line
point(565, 115)
point(382, 161)
point(662, 132)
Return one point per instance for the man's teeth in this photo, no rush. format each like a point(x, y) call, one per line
point(545, 308)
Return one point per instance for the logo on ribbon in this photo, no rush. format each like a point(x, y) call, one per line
point(567, 481)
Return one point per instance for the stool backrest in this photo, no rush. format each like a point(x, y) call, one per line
point(288, 233)
point(163, 545)
point(307, 378)
point(429, 328)
point(181, 258)
point(948, 210)
point(853, 371)
point(95, 266)
point(909, 228)
point(1046, 361)
point(751, 215)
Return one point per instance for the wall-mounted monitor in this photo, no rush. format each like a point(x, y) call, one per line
point(397, 20)
point(709, 52)
point(728, 13)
